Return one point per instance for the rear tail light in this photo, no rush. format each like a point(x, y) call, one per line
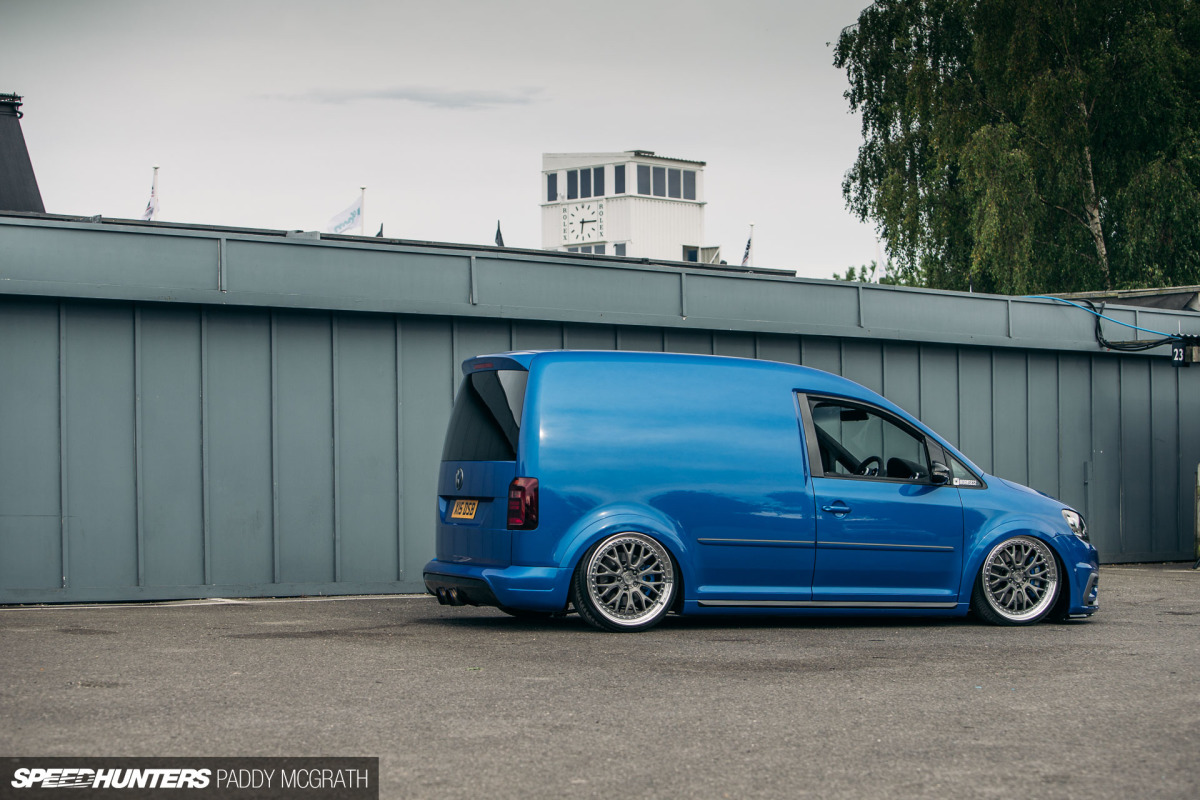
point(523, 504)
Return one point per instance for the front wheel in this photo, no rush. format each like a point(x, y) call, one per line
point(1018, 583)
point(625, 582)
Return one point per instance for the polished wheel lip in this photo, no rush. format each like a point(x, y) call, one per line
point(1020, 578)
point(630, 579)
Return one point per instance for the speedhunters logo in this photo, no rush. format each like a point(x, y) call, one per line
point(310, 778)
point(68, 777)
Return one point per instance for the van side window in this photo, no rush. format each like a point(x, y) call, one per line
point(855, 441)
point(486, 421)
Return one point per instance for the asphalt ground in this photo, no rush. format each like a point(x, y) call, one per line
point(470, 703)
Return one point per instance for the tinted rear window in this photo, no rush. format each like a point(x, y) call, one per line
point(486, 422)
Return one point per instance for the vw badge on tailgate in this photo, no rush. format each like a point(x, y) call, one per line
point(458, 479)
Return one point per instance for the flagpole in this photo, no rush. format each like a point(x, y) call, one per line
point(748, 256)
point(362, 205)
point(152, 207)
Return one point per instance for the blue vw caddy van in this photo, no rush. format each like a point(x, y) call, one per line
point(630, 485)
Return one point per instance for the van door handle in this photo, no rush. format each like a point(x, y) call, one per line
point(838, 508)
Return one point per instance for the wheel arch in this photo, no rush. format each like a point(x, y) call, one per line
point(983, 544)
point(607, 520)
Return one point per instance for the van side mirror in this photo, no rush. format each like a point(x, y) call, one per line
point(939, 474)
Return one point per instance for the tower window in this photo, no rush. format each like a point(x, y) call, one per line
point(619, 179)
point(551, 187)
point(660, 181)
point(643, 178)
point(588, 182)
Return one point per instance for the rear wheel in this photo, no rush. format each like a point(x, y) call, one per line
point(1018, 583)
point(625, 582)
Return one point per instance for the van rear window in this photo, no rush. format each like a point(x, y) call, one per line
point(486, 422)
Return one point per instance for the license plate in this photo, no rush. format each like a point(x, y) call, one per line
point(464, 509)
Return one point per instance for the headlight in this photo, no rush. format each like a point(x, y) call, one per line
point(1075, 523)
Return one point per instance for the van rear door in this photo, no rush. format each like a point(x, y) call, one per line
point(479, 461)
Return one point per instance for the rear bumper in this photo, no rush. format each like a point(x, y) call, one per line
point(455, 591)
point(530, 588)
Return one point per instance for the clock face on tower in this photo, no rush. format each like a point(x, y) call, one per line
point(583, 222)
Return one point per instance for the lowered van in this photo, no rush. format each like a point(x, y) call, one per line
point(631, 485)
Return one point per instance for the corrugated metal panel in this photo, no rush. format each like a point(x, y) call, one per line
point(368, 449)
point(1074, 414)
point(303, 409)
point(938, 385)
point(171, 440)
point(658, 228)
point(1137, 510)
point(1044, 435)
point(239, 432)
point(1010, 417)
point(1188, 383)
point(1105, 492)
point(1164, 464)
point(172, 449)
point(976, 435)
point(247, 268)
point(31, 535)
point(99, 444)
point(863, 362)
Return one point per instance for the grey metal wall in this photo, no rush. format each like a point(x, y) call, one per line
point(155, 448)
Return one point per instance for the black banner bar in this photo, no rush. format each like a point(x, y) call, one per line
point(184, 778)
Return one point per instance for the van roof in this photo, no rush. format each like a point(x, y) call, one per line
point(805, 378)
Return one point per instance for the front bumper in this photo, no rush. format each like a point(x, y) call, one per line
point(1085, 585)
point(1091, 592)
point(529, 588)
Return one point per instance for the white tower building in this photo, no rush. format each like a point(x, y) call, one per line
point(633, 203)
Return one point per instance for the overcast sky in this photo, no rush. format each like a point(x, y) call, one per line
point(272, 114)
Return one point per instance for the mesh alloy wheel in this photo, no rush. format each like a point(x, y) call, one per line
point(625, 583)
point(1018, 583)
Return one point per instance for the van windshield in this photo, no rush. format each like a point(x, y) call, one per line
point(486, 422)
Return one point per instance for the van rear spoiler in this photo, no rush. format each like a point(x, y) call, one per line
point(498, 361)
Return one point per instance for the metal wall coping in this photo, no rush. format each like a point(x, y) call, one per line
point(93, 258)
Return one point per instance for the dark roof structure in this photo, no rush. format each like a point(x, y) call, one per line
point(18, 186)
point(1174, 298)
point(652, 154)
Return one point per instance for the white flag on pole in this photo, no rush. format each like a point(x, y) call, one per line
point(349, 219)
point(152, 207)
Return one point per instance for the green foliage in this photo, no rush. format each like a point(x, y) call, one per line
point(867, 273)
point(1024, 146)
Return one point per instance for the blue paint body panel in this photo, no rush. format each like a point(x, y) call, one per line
point(709, 456)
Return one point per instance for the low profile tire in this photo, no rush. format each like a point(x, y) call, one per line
point(1018, 583)
point(624, 583)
